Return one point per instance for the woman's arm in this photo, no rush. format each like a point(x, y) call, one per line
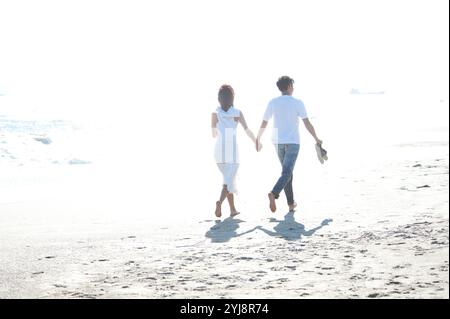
point(214, 121)
point(247, 130)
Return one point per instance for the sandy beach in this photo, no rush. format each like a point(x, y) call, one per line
point(108, 160)
point(376, 231)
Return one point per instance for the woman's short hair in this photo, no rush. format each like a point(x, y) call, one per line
point(226, 96)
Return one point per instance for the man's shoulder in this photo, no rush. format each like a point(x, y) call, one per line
point(273, 100)
point(283, 99)
point(277, 100)
point(297, 100)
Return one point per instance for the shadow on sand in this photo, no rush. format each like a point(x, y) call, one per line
point(290, 229)
point(224, 230)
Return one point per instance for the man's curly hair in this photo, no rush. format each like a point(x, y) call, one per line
point(284, 82)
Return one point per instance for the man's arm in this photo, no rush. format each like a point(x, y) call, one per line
point(260, 134)
point(311, 130)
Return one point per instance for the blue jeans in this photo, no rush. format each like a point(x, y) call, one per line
point(287, 153)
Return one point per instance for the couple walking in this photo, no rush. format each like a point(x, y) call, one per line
point(285, 110)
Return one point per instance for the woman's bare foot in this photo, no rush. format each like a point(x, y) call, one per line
point(234, 213)
point(292, 207)
point(273, 206)
point(218, 209)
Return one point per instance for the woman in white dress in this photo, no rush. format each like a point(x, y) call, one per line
point(224, 122)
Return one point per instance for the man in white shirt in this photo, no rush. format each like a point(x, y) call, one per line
point(286, 111)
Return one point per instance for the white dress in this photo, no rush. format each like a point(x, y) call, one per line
point(226, 150)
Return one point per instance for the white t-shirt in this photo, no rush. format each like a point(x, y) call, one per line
point(285, 110)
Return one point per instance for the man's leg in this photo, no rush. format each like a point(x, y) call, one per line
point(288, 188)
point(290, 195)
point(288, 191)
point(281, 150)
point(290, 154)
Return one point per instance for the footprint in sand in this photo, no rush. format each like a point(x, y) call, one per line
point(423, 285)
point(59, 286)
point(128, 237)
point(277, 268)
point(357, 277)
point(243, 258)
point(166, 273)
point(224, 278)
point(401, 266)
point(393, 282)
point(291, 267)
point(268, 287)
point(395, 244)
point(327, 268)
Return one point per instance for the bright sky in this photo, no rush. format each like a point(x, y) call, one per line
point(149, 66)
point(104, 56)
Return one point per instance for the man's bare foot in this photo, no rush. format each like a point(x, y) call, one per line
point(218, 209)
point(273, 206)
point(234, 213)
point(292, 207)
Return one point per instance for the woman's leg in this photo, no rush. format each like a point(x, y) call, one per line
point(233, 210)
point(223, 195)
